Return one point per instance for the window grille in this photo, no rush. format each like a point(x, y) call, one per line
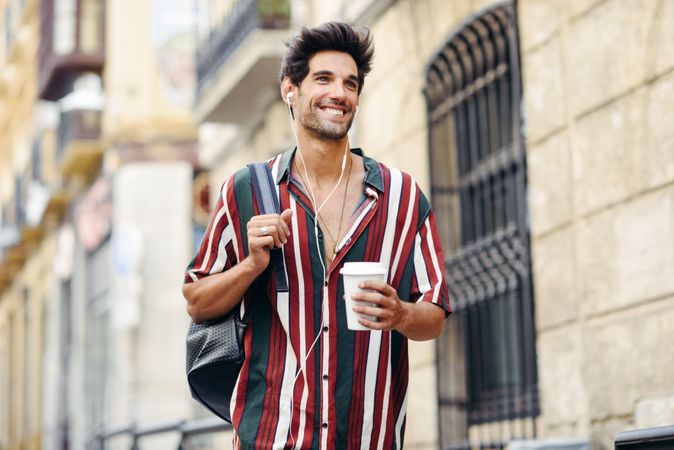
point(487, 372)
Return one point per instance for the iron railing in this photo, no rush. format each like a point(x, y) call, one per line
point(222, 40)
point(486, 361)
point(186, 429)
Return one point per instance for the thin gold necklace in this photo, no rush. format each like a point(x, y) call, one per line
point(335, 242)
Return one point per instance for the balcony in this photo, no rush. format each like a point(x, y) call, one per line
point(79, 149)
point(72, 42)
point(239, 60)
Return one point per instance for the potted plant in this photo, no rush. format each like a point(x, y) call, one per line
point(273, 13)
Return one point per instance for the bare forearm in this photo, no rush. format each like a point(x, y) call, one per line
point(422, 321)
point(217, 294)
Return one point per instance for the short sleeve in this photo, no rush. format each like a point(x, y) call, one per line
point(428, 283)
point(218, 250)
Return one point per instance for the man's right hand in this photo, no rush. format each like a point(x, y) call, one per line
point(265, 232)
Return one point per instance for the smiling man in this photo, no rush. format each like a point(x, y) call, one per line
point(308, 382)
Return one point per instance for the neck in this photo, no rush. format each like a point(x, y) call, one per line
point(323, 159)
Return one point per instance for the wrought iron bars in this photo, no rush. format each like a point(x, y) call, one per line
point(487, 367)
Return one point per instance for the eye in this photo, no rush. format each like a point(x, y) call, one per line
point(351, 85)
point(322, 78)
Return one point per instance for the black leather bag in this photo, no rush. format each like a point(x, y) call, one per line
point(215, 348)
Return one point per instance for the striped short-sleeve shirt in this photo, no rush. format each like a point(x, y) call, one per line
point(348, 391)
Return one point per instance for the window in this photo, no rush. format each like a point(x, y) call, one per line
point(64, 26)
point(486, 359)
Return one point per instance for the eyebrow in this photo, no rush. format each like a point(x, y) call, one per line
point(352, 77)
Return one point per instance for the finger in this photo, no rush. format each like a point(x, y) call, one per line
point(262, 219)
point(256, 242)
point(371, 297)
point(374, 284)
point(373, 311)
point(287, 215)
point(284, 227)
point(268, 230)
point(372, 325)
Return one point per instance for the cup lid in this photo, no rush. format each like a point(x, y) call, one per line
point(363, 268)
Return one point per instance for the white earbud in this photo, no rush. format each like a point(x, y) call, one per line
point(290, 95)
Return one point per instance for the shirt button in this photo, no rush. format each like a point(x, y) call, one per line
point(325, 329)
point(325, 378)
point(325, 425)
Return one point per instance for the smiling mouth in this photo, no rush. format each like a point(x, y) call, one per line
point(333, 111)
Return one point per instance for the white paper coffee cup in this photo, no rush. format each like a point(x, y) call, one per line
point(354, 273)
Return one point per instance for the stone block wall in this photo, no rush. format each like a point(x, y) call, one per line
point(598, 82)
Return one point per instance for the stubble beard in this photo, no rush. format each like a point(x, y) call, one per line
point(322, 129)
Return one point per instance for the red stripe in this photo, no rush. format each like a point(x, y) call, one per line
point(356, 412)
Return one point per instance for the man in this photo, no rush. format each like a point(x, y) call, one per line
point(308, 382)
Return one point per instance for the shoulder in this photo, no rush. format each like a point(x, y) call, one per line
point(392, 175)
point(240, 181)
point(399, 184)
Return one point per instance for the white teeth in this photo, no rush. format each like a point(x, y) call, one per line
point(336, 112)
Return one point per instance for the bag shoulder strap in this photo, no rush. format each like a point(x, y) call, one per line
point(264, 187)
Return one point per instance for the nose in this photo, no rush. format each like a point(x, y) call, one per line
point(338, 91)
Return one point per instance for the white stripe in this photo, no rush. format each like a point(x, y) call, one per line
point(384, 407)
point(227, 235)
point(399, 422)
point(370, 387)
point(434, 257)
point(391, 220)
point(325, 398)
point(420, 269)
point(406, 227)
point(283, 424)
point(302, 319)
point(274, 174)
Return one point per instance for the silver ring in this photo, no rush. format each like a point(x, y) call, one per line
point(264, 230)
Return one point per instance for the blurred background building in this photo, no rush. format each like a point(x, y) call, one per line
point(540, 129)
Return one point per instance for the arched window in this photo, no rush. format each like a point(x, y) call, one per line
point(486, 359)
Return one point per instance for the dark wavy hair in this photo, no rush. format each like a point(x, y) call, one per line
point(337, 36)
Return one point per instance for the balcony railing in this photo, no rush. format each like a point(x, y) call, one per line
point(71, 42)
point(244, 17)
point(185, 430)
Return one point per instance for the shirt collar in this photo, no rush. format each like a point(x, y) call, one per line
point(373, 175)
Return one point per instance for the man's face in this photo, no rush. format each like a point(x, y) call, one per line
point(328, 95)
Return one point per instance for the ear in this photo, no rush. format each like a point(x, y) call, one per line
point(286, 88)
